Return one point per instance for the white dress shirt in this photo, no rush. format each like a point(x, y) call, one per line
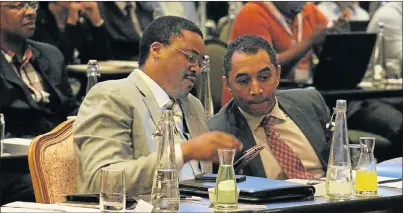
point(188, 170)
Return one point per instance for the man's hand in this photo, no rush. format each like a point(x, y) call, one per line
point(91, 10)
point(74, 9)
point(205, 146)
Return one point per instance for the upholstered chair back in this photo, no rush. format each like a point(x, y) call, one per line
point(53, 164)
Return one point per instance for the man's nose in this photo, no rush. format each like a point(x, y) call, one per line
point(30, 12)
point(255, 88)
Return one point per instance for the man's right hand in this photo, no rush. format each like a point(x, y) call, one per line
point(204, 147)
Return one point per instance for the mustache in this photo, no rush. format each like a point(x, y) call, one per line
point(258, 100)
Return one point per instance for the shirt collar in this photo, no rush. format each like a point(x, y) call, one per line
point(29, 54)
point(159, 94)
point(255, 121)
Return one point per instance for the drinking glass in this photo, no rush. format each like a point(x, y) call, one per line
point(226, 198)
point(113, 193)
point(355, 152)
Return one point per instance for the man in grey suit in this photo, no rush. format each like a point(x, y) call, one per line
point(116, 121)
point(288, 123)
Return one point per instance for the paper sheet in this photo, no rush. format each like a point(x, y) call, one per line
point(28, 207)
point(18, 141)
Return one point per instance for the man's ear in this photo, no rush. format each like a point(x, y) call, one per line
point(155, 49)
point(225, 82)
point(278, 74)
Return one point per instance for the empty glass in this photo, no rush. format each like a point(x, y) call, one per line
point(113, 193)
point(226, 188)
point(355, 152)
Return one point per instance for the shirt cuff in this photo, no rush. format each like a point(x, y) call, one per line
point(99, 23)
point(179, 156)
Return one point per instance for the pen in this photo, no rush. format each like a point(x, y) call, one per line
point(390, 181)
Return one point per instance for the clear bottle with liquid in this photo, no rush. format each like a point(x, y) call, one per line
point(338, 177)
point(165, 189)
point(92, 74)
point(226, 195)
point(2, 133)
point(376, 73)
point(204, 93)
point(366, 182)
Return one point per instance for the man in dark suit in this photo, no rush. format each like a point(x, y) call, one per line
point(35, 93)
point(125, 23)
point(287, 123)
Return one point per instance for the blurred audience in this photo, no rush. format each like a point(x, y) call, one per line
point(293, 28)
point(383, 116)
point(348, 10)
point(185, 9)
point(76, 28)
point(391, 16)
point(35, 93)
point(125, 23)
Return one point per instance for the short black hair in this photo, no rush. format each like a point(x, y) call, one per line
point(162, 30)
point(249, 44)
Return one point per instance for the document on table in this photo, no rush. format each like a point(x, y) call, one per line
point(41, 207)
point(18, 141)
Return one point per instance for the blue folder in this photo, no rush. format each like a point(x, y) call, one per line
point(390, 168)
point(255, 189)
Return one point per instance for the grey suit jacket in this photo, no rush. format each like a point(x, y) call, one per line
point(305, 107)
point(114, 129)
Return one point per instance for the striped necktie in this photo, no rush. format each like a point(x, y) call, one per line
point(288, 160)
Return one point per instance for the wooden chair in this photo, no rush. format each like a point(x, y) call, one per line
point(53, 164)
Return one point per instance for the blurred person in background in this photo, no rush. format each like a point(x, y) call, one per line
point(348, 10)
point(125, 23)
point(391, 16)
point(76, 28)
point(35, 93)
point(383, 117)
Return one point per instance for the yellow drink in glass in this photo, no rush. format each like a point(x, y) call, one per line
point(366, 183)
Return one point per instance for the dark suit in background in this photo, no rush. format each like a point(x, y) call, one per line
point(24, 116)
point(90, 41)
point(123, 39)
point(305, 107)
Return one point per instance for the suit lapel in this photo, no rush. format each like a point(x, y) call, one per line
point(304, 122)
point(148, 97)
point(9, 72)
point(243, 132)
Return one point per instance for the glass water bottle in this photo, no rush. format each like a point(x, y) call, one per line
point(366, 183)
point(226, 195)
point(92, 74)
point(338, 177)
point(377, 70)
point(165, 188)
point(204, 93)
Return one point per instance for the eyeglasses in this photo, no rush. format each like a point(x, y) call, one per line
point(193, 59)
point(24, 4)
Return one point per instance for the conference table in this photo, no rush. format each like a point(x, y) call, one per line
point(109, 70)
point(390, 200)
